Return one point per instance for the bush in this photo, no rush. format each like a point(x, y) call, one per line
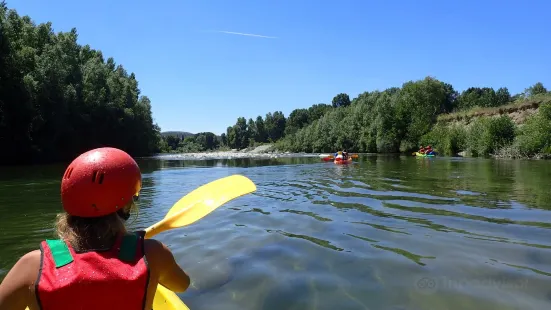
point(535, 136)
point(487, 135)
point(448, 140)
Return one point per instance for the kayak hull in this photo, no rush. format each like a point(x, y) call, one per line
point(165, 299)
point(342, 162)
point(424, 155)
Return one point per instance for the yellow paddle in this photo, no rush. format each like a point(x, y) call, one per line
point(202, 201)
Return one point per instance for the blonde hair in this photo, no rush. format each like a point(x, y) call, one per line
point(92, 233)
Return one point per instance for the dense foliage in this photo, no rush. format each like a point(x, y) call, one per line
point(185, 143)
point(396, 120)
point(58, 98)
point(400, 119)
point(247, 133)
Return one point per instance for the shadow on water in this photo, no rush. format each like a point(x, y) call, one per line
point(387, 232)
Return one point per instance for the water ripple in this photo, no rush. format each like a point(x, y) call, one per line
point(386, 233)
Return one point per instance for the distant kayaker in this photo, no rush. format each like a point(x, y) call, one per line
point(429, 150)
point(421, 150)
point(96, 263)
point(344, 155)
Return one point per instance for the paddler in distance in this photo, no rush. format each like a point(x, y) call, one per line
point(96, 263)
point(341, 155)
point(429, 150)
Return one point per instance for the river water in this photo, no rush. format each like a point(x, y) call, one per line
point(387, 232)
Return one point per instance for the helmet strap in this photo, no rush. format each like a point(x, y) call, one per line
point(123, 214)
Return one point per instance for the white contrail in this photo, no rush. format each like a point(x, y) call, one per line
point(247, 34)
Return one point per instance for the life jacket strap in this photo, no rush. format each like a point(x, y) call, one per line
point(60, 252)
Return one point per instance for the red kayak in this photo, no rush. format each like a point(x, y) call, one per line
point(340, 161)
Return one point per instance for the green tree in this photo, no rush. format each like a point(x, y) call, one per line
point(275, 125)
point(503, 96)
point(261, 135)
point(535, 89)
point(341, 100)
point(173, 142)
point(59, 98)
point(251, 130)
point(242, 132)
point(296, 120)
point(479, 97)
point(316, 111)
point(206, 140)
point(451, 99)
point(417, 107)
point(232, 137)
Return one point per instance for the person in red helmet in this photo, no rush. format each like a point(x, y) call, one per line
point(96, 263)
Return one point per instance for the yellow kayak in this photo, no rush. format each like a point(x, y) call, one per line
point(424, 155)
point(165, 299)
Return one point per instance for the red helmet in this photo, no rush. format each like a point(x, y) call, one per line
point(100, 182)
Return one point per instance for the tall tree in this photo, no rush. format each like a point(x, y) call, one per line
point(261, 135)
point(59, 98)
point(535, 89)
point(251, 130)
point(296, 120)
point(503, 96)
point(341, 100)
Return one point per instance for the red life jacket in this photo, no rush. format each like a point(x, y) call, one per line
point(116, 278)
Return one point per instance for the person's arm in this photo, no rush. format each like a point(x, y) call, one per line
point(171, 275)
point(14, 289)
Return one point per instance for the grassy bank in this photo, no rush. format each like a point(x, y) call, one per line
point(492, 132)
point(518, 105)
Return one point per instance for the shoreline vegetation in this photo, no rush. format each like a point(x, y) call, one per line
point(478, 122)
point(59, 98)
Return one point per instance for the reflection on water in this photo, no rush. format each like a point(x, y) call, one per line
point(388, 232)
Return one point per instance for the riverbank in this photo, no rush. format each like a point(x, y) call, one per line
point(262, 151)
point(519, 131)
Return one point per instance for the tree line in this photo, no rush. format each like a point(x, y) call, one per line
point(247, 133)
point(397, 119)
point(59, 98)
point(179, 143)
point(401, 119)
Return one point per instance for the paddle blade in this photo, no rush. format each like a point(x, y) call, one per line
point(202, 201)
point(218, 191)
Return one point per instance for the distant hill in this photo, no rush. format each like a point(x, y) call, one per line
point(177, 133)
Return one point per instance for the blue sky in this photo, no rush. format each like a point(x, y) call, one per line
point(201, 78)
